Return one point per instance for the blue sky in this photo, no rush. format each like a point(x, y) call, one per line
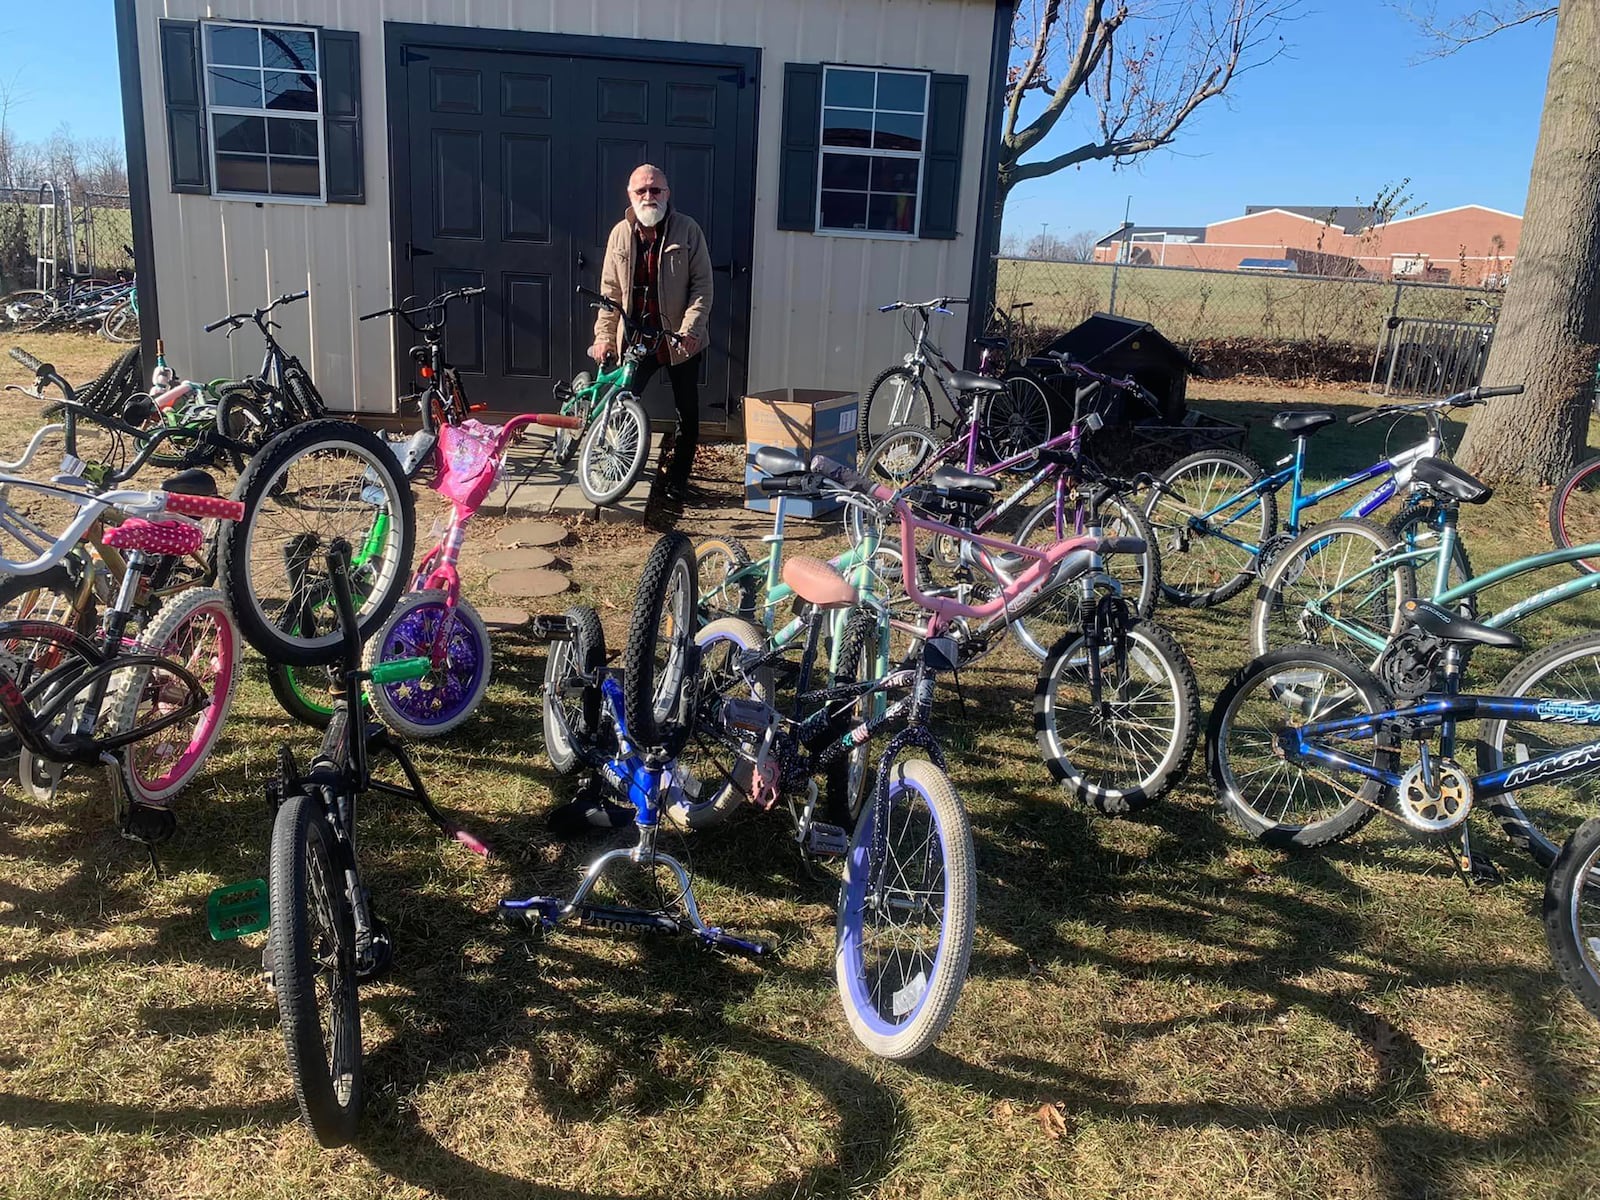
point(1345, 112)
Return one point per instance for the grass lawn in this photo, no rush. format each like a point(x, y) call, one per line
point(1157, 1007)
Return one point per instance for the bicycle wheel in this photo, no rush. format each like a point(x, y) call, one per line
point(304, 401)
point(41, 657)
point(615, 450)
point(1201, 562)
point(312, 485)
point(857, 661)
point(714, 767)
point(726, 585)
point(657, 662)
point(25, 311)
point(1123, 746)
point(1575, 512)
point(897, 459)
point(1276, 801)
point(241, 419)
point(1325, 589)
point(1572, 914)
point(906, 912)
point(565, 442)
point(121, 322)
point(302, 692)
point(569, 701)
point(896, 398)
point(194, 630)
point(51, 595)
point(448, 694)
point(311, 933)
point(1540, 816)
point(1416, 527)
point(1017, 419)
point(1057, 614)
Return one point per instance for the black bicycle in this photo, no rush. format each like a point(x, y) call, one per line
point(282, 389)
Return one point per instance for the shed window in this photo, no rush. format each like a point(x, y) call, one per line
point(871, 150)
point(264, 105)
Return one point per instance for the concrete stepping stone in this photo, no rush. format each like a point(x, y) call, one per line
point(502, 619)
point(534, 533)
point(534, 583)
point(522, 558)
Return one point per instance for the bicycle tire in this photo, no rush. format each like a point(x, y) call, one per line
point(896, 459)
point(726, 587)
point(1540, 817)
point(1018, 419)
point(121, 323)
point(290, 689)
point(1107, 765)
point(25, 311)
point(1294, 672)
point(42, 665)
point(657, 662)
point(326, 1070)
point(373, 510)
point(1048, 620)
point(305, 401)
point(1316, 565)
point(1569, 891)
point(583, 657)
point(1200, 581)
point(912, 395)
point(620, 443)
point(564, 443)
point(919, 1007)
point(155, 769)
point(1569, 512)
point(719, 788)
point(443, 698)
point(1411, 525)
point(845, 783)
point(241, 419)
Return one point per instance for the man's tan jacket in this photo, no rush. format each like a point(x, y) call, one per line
point(683, 281)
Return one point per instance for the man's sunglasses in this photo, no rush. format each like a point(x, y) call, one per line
point(648, 191)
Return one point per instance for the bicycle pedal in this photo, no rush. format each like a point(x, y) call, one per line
point(237, 909)
point(149, 825)
point(1483, 872)
point(827, 840)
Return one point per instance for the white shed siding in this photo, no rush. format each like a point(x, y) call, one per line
point(811, 318)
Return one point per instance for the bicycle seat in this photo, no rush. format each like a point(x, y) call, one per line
point(952, 479)
point(1452, 627)
point(966, 381)
point(156, 537)
point(1302, 422)
point(992, 343)
point(819, 583)
point(193, 482)
point(778, 462)
point(1450, 480)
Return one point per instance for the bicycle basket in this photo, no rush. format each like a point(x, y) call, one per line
point(468, 462)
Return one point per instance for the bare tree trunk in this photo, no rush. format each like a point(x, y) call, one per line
point(1548, 337)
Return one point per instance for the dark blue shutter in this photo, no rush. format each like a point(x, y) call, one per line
point(341, 117)
point(184, 91)
point(941, 159)
point(802, 134)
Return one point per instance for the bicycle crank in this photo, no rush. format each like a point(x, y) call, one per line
point(1438, 805)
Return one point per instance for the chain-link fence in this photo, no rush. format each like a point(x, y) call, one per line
point(46, 230)
point(1281, 325)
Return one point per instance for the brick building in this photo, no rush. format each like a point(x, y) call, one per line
point(1470, 244)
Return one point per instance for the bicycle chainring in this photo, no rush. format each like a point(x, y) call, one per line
point(1439, 808)
point(1270, 549)
point(1411, 664)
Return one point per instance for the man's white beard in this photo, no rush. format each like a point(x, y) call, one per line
point(649, 215)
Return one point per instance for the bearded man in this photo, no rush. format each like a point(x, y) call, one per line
point(658, 269)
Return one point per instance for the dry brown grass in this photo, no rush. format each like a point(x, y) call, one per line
point(1157, 1008)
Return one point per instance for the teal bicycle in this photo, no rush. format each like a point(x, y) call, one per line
point(613, 443)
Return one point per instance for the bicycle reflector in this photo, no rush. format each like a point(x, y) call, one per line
point(237, 909)
point(399, 670)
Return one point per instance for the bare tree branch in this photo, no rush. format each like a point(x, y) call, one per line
point(1449, 34)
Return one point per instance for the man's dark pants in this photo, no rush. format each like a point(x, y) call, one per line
point(685, 380)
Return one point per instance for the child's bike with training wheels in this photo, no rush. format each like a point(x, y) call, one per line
point(906, 904)
point(613, 441)
point(323, 935)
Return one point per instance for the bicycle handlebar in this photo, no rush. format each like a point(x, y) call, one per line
point(440, 301)
point(239, 318)
point(939, 303)
point(29, 361)
point(850, 479)
point(1126, 383)
point(1466, 399)
point(629, 325)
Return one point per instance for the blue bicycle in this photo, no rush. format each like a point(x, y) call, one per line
point(1215, 513)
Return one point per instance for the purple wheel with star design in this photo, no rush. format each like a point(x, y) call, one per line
point(448, 694)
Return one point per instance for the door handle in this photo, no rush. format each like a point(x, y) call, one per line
point(582, 261)
point(416, 252)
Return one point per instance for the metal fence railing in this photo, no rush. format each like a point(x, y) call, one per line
point(46, 229)
point(1217, 313)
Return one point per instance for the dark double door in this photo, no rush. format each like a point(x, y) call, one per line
point(518, 164)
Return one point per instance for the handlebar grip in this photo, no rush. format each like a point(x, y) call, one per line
point(560, 420)
point(849, 478)
point(291, 297)
point(889, 307)
point(28, 360)
point(382, 312)
point(472, 291)
point(216, 325)
point(1489, 393)
point(202, 507)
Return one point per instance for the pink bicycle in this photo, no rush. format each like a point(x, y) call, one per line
point(434, 621)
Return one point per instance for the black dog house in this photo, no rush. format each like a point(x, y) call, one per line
point(1119, 346)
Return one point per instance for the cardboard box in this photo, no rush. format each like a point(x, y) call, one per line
point(803, 421)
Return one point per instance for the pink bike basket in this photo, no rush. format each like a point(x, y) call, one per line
point(468, 463)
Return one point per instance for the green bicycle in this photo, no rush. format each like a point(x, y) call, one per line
point(614, 442)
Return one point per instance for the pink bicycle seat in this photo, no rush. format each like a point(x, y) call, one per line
point(156, 537)
point(819, 583)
